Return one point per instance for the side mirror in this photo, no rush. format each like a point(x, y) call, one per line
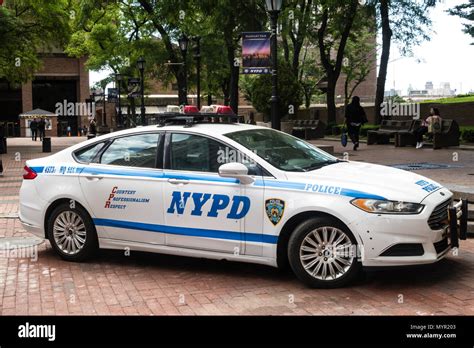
point(237, 171)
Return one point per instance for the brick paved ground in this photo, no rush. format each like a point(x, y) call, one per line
point(158, 284)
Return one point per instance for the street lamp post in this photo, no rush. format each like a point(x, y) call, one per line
point(183, 46)
point(141, 68)
point(197, 56)
point(104, 114)
point(118, 79)
point(273, 8)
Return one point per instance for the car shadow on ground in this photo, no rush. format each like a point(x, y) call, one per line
point(448, 270)
point(445, 271)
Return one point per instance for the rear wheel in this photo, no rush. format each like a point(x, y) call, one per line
point(72, 233)
point(323, 253)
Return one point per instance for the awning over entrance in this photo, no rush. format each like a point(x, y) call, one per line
point(37, 113)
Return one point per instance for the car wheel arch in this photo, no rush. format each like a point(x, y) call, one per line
point(289, 227)
point(53, 206)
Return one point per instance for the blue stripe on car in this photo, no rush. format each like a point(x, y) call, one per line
point(146, 173)
point(186, 231)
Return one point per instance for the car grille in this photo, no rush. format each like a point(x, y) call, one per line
point(439, 216)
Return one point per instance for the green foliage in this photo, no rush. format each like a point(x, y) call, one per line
point(259, 91)
point(27, 28)
point(467, 134)
point(466, 98)
point(465, 11)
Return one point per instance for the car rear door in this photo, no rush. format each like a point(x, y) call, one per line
point(123, 188)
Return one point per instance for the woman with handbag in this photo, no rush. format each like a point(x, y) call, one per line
point(431, 125)
point(355, 118)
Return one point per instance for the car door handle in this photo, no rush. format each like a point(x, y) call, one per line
point(94, 177)
point(178, 181)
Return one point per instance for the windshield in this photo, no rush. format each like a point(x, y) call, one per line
point(283, 151)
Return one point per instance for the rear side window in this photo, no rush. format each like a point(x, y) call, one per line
point(88, 153)
point(133, 151)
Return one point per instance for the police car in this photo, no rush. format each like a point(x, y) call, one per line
point(214, 188)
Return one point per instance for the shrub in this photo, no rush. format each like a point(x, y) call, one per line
point(467, 134)
point(289, 91)
point(367, 127)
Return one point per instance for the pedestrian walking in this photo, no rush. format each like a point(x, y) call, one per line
point(355, 118)
point(41, 128)
point(92, 128)
point(34, 129)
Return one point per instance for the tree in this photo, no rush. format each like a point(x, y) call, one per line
point(465, 11)
point(27, 28)
point(359, 59)
point(296, 18)
point(337, 18)
point(257, 91)
point(404, 21)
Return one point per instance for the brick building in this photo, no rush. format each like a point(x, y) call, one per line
point(61, 79)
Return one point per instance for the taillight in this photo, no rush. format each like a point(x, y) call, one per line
point(28, 173)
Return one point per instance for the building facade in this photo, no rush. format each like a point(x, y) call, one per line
point(61, 80)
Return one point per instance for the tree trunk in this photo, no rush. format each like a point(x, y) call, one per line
point(333, 70)
point(386, 41)
point(331, 99)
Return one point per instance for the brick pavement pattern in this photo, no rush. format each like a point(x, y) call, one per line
point(153, 284)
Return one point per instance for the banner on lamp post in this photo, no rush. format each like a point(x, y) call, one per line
point(256, 53)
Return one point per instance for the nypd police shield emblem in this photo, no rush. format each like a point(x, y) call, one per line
point(274, 208)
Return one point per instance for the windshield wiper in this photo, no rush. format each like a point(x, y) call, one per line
point(320, 165)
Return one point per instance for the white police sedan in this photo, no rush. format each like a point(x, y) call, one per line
point(237, 192)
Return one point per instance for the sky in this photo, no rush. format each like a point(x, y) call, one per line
point(447, 57)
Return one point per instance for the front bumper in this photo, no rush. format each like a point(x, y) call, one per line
point(408, 240)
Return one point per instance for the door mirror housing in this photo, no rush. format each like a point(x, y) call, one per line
point(236, 170)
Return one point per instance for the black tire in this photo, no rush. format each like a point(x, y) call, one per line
point(305, 229)
point(91, 244)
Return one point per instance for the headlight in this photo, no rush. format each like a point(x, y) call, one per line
point(387, 207)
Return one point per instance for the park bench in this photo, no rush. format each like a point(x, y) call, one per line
point(448, 135)
point(388, 129)
point(308, 129)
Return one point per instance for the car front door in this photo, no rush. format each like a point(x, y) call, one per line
point(123, 189)
point(203, 210)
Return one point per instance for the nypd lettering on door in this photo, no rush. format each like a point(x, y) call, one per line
point(210, 205)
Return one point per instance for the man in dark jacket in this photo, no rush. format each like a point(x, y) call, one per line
point(34, 129)
point(355, 118)
point(41, 128)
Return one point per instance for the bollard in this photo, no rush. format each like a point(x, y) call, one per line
point(46, 144)
point(3, 145)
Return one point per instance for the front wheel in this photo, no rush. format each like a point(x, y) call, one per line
point(72, 233)
point(323, 253)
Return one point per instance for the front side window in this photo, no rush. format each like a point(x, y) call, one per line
point(283, 151)
point(133, 151)
point(189, 152)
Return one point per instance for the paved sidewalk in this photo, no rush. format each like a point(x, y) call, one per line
point(158, 284)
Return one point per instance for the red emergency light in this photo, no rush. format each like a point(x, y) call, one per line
point(225, 110)
point(191, 109)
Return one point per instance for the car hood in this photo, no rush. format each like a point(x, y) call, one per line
point(365, 180)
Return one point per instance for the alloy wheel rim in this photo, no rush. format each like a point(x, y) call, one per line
point(69, 232)
point(327, 253)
